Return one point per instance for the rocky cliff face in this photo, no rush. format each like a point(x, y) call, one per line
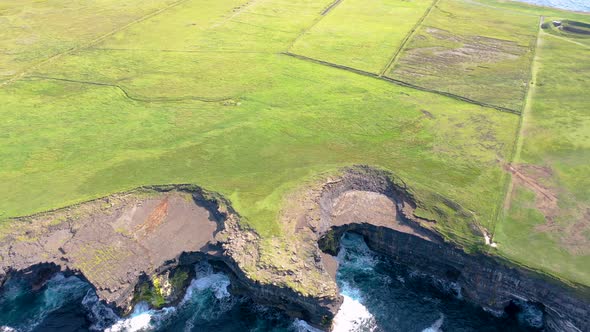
point(132, 246)
point(112, 242)
point(124, 241)
point(484, 280)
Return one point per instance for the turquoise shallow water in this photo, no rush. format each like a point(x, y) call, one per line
point(379, 296)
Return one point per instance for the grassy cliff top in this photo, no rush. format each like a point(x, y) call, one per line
point(482, 114)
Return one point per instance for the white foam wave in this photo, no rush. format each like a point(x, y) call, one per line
point(58, 291)
point(198, 295)
point(61, 289)
point(142, 319)
point(353, 315)
point(355, 253)
point(7, 329)
point(207, 297)
point(530, 314)
point(218, 283)
point(436, 326)
point(302, 326)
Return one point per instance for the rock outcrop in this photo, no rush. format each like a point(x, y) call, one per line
point(487, 281)
point(129, 246)
point(112, 242)
point(121, 242)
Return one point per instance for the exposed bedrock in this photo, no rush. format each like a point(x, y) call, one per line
point(150, 235)
point(366, 202)
point(112, 242)
point(135, 246)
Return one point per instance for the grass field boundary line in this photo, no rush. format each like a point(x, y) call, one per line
point(129, 96)
point(330, 7)
point(313, 24)
point(92, 42)
point(401, 83)
point(518, 140)
point(568, 40)
point(178, 51)
point(407, 38)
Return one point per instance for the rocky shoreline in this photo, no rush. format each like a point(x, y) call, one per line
point(133, 246)
point(489, 282)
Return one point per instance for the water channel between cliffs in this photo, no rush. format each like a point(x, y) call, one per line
point(379, 295)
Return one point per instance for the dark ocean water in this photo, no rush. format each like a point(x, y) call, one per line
point(379, 296)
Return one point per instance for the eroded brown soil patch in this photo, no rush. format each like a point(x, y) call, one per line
point(531, 177)
point(481, 68)
point(155, 218)
point(576, 238)
point(574, 234)
point(470, 52)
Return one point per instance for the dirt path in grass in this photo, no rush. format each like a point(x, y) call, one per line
point(239, 10)
point(530, 93)
point(515, 173)
point(134, 98)
point(522, 174)
point(318, 19)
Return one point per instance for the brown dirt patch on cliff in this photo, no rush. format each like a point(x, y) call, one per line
point(155, 218)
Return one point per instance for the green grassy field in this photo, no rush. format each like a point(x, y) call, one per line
point(553, 219)
point(202, 93)
point(361, 34)
point(454, 52)
point(33, 31)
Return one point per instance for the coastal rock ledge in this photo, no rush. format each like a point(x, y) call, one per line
point(123, 242)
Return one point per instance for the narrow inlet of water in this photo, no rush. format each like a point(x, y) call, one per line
point(378, 296)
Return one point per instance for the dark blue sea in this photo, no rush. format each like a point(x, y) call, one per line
point(378, 296)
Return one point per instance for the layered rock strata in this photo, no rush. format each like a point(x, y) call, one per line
point(118, 242)
point(367, 202)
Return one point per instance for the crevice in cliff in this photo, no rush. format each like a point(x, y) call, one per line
point(349, 204)
point(182, 224)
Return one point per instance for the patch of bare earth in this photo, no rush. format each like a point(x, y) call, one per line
point(155, 218)
point(470, 52)
point(572, 235)
point(111, 241)
point(464, 63)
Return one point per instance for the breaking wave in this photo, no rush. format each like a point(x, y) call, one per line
point(378, 296)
